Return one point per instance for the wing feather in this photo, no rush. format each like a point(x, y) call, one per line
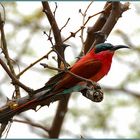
point(86, 70)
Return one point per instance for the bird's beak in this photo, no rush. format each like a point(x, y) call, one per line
point(119, 47)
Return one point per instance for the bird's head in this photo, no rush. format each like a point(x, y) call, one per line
point(107, 47)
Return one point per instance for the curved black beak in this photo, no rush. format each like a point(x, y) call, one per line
point(116, 47)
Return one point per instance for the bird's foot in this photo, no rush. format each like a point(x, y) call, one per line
point(93, 84)
point(93, 92)
point(93, 95)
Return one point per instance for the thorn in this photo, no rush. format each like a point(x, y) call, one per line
point(72, 34)
point(7, 99)
point(82, 27)
point(64, 46)
point(34, 108)
point(80, 10)
point(37, 108)
point(44, 65)
point(53, 57)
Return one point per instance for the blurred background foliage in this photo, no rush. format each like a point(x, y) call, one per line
point(116, 117)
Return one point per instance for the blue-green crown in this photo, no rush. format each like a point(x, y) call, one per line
point(103, 47)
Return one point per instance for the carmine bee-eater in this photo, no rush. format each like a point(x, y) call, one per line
point(93, 66)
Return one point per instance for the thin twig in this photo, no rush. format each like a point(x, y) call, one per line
point(49, 37)
point(83, 22)
point(82, 78)
point(15, 81)
point(8, 129)
point(71, 73)
point(93, 16)
point(54, 13)
point(8, 59)
point(65, 24)
point(97, 26)
point(55, 29)
point(31, 65)
point(117, 10)
point(61, 58)
point(74, 33)
point(122, 89)
point(3, 126)
point(4, 13)
point(50, 67)
point(32, 124)
point(50, 31)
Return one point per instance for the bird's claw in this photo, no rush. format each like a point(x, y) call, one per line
point(93, 92)
point(93, 85)
point(93, 95)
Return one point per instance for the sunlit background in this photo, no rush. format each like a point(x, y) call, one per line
point(117, 116)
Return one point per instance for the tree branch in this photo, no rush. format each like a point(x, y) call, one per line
point(91, 36)
point(59, 117)
point(55, 29)
point(105, 27)
point(29, 122)
point(41, 98)
point(6, 54)
point(15, 81)
point(60, 52)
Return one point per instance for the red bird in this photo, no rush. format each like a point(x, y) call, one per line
point(94, 66)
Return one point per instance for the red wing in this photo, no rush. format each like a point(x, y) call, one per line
point(86, 70)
